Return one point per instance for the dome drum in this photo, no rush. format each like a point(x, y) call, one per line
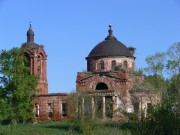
point(101, 56)
point(109, 63)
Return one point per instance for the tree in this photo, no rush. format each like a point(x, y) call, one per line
point(163, 118)
point(156, 81)
point(174, 93)
point(17, 86)
point(132, 50)
point(155, 63)
point(173, 62)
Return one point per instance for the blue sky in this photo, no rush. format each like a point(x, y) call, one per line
point(70, 29)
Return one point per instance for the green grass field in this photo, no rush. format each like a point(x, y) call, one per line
point(66, 128)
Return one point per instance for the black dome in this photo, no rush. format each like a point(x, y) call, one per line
point(110, 47)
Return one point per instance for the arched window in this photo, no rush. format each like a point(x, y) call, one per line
point(113, 64)
point(101, 86)
point(37, 110)
point(125, 64)
point(101, 64)
point(91, 66)
point(50, 110)
point(39, 61)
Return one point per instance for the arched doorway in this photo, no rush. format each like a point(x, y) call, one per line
point(101, 86)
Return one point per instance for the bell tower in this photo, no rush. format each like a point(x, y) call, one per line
point(37, 61)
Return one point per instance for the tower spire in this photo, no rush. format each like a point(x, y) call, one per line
point(30, 27)
point(110, 36)
point(110, 29)
point(30, 34)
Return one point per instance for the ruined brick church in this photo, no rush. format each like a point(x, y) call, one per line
point(103, 89)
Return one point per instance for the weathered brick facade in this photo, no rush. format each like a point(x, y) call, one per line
point(110, 74)
point(50, 107)
point(109, 77)
point(37, 61)
point(46, 106)
point(87, 81)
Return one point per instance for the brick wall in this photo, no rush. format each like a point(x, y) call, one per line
point(55, 100)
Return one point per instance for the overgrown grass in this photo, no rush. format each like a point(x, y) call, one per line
point(47, 128)
point(73, 127)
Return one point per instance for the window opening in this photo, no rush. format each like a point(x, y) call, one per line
point(125, 64)
point(101, 65)
point(37, 110)
point(113, 64)
point(101, 86)
point(39, 65)
point(64, 109)
point(50, 111)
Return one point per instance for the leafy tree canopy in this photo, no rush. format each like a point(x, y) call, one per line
point(163, 118)
point(17, 86)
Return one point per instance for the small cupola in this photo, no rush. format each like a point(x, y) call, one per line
point(110, 36)
point(30, 34)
